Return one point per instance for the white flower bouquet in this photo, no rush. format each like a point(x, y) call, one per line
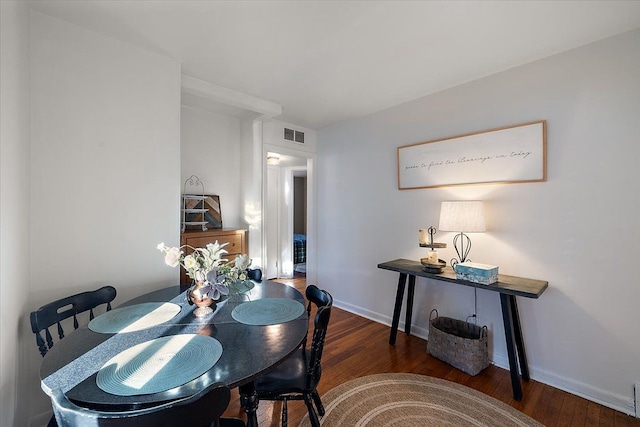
point(235, 275)
point(217, 277)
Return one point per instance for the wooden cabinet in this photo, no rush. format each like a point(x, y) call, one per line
point(236, 239)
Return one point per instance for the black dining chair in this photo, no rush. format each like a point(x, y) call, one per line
point(317, 298)
point(298, 376)
point(202, 409)
point(57, 311)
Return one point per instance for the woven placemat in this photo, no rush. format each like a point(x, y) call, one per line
point(158, 365)
point(134, 317)
point(268, 311)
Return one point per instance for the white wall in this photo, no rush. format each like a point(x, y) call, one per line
point(579, 230)
point(251, 187)
point(105, 172)
point(211, 149)
point(14, 202)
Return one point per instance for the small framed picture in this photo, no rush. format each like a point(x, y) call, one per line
point(213, 215)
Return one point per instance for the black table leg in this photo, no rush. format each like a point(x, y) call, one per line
point(507, 317)
point(249, 401)
point(409, 312)
point(396, 310)
point(517, 330)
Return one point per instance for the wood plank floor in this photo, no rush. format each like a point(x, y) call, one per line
point(356, 347)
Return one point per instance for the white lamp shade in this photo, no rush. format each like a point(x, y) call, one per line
point(462, 216)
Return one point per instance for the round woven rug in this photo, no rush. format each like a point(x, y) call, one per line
point(405, 400)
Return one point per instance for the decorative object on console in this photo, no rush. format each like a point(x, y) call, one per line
point(213, 213)
point(462, 216)
point(200, 211)
point(423, 236)
point(192, 205)
point(432, 263)
point(477, 273)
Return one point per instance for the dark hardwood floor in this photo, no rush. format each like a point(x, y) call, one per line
point(357, 347)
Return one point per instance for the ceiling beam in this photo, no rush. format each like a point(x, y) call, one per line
point(223, 95)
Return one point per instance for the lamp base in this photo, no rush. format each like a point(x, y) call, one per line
point(462, 245)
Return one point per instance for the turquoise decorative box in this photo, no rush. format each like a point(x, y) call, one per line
point(477, 273)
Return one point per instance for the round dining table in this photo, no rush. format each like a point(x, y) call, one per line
point(247, 351)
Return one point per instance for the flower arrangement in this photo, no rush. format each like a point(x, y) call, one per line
point(235, 275)
point(206, 265)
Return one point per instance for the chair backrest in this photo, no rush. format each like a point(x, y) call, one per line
point(324, 300)
point(57, 311)
point(201, 409)
point(317, 297)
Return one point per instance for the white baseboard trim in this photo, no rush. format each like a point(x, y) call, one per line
point(379, 318)
point(611, 400)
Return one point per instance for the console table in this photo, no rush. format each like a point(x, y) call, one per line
point(507, 286)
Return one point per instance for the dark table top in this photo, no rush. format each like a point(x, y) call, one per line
point(248, 351)
point(510, 285)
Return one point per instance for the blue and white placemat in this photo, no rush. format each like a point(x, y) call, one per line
point(268, 311)
point(158, 365)
point(134, 317)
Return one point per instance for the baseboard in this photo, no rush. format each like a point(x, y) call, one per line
point(379, 318)
point(611, 400)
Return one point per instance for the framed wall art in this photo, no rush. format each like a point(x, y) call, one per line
point(505, 155)
point(213, 215)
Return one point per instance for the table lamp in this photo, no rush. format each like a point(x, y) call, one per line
point(462, 216)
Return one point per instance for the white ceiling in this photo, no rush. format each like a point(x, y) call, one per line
point(329, 61)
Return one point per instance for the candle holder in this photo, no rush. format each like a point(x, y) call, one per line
point(432, 264)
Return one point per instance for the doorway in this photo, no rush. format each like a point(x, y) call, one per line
point(300, 223)
point(288, 216)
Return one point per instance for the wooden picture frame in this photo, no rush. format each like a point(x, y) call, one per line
point(213, 216)
point(504, 155)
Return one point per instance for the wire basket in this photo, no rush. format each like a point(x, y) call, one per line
point(461, 344)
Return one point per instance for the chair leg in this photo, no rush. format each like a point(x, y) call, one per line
point(284, 413)
point(313, 417)
point(318, 402)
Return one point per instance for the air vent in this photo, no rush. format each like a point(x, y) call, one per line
point(288, 134)
point(294, 135)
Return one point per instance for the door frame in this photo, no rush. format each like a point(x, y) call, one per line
point(285, 243)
